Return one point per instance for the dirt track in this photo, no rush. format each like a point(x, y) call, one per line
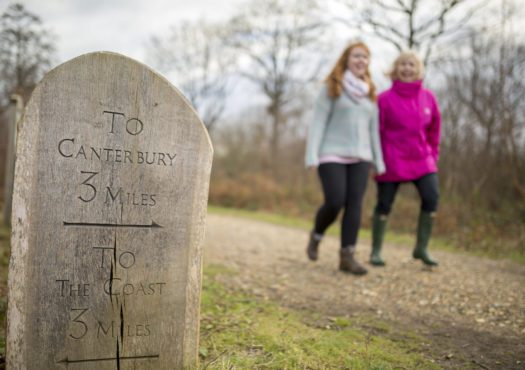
point(470, 310)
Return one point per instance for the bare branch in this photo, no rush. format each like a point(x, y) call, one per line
point(406, 24)
point(274, 35)
point(385, 6)
point(193, 54)
point(384, 27)
point(26, 51)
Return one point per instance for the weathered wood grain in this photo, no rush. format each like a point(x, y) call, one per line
point(109, 208)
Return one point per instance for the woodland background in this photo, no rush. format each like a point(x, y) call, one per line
point(253, 79)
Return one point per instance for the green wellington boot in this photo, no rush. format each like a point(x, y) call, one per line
point(424, 230)
point(378, 233)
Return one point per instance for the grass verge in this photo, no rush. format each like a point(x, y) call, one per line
point(242, 332)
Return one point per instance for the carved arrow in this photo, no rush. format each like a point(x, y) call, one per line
point(68, 361)
point(94, 224)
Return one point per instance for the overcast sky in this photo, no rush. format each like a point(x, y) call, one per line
point(122, 26)
point(126, 26)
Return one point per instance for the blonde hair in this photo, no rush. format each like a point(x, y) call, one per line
point(408, 54)
point(335, 77)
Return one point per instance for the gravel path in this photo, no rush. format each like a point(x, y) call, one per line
point(472, 310)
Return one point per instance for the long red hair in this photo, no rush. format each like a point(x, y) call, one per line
point(334, 79)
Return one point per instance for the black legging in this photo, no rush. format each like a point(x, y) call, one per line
point(427, 187)
point(343, 186)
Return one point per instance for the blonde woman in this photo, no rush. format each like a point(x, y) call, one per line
point(343, 141)
point(410, 121)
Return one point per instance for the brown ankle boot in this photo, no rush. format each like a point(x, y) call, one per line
point(313, 247)
point(348, 263)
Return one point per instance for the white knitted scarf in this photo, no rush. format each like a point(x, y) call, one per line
point(354, 87)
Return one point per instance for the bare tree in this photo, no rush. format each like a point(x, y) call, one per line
point(279, 42)
point(411, 24)
point(485, 97)
point(194, 57)
point(26, 51)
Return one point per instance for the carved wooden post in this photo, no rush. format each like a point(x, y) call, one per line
point(109, 209)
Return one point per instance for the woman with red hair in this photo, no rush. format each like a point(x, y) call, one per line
point(343, 141)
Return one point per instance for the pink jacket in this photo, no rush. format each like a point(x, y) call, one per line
point(409, 126)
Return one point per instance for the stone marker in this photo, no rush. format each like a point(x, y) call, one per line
point(109, 207)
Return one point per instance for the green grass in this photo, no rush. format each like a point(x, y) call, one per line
point(242, 332)
point(400, 239)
